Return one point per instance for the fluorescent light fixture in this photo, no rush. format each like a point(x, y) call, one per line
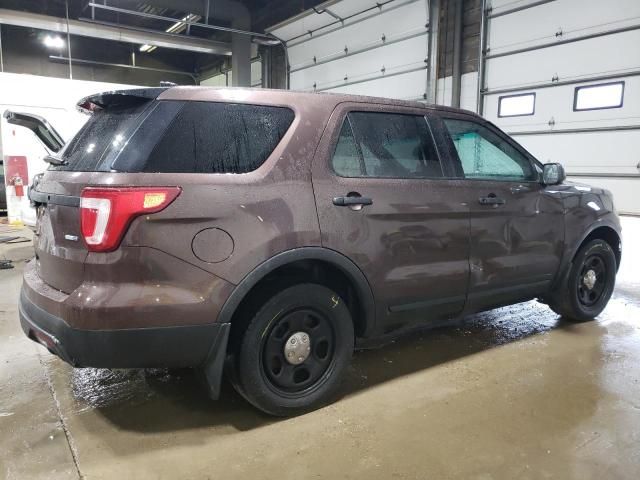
point(596, 97)
point(181, 25)
point(517, 105)
point(177, 27)
point(53, 41)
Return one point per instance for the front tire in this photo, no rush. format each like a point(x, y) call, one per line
point(294, 350)
point(589, 284)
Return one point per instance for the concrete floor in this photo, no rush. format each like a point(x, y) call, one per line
point(513, 393)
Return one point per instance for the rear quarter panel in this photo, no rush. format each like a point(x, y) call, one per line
point(265, 212)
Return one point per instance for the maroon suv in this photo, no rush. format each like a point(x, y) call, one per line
point(270, 231)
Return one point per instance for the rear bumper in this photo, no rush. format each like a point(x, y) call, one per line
point(183, 346)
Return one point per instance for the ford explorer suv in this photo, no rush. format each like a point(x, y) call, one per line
point(264, 234)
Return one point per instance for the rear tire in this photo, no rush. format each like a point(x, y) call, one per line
point(294, 350)
point(589, 284)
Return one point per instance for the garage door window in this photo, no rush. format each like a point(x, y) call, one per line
point(517, 105)
point(598, 97)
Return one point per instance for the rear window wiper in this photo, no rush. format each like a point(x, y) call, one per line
point(54, 160)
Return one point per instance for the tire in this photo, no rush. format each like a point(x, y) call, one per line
point(586, 296)
point(297, 317)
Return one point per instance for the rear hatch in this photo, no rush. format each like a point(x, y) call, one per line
point(39, 126)
point(59, 246)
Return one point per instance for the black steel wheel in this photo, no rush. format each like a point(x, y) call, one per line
point(589, 283)
point(592, 280)
point(298, 350)
point(293, 353)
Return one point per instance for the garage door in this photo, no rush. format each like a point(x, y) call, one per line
point(359, 46)
point(563, 77)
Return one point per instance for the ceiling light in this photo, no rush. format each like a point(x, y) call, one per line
point(177, 27)
point(181, 25)
point(53, 41)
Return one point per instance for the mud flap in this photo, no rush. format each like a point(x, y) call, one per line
point(211, 370)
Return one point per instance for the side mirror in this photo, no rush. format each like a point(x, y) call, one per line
point(553, 174)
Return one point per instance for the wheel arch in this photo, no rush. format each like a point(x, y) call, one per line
point(606, 233)
point(363, 311)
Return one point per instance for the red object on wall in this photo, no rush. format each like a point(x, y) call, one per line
point(15, 166)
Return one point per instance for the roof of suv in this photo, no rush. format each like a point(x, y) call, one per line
point(284, 97)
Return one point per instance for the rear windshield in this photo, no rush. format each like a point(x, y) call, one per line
point(207, 137)
point(105, 132)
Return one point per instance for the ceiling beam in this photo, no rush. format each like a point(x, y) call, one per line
point(115, 33)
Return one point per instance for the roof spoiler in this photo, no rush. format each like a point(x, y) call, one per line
point(118, 98)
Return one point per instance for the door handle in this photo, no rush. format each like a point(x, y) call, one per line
point(520, 188)
point(491, 200)
point(350, 201)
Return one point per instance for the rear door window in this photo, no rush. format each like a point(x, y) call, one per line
point(207, 137)
point(386, 145)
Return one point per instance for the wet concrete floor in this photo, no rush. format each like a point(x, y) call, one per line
point(511, 393)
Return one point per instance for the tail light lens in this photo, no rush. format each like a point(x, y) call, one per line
point(105, 213)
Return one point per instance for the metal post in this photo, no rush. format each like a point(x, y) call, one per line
point(457, 56)
point(66, 6)
point(207, 9)
point(481, 57)
point(1, 58)
point(432, 61)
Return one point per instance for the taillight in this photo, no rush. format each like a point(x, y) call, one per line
point(105, 213)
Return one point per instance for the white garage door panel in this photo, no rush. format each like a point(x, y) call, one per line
point(594, 152)
point(613, 154)
point(502, 5)
point(351, 7)
point(404, 21)
point(625, 191)
point(557, 103)
point(574, 17)
point(408, 86)
point(607, 54)
point(396, 57)
point(302, 26)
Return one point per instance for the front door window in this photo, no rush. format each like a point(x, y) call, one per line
point(485, 155)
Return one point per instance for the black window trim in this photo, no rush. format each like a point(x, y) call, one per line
point(581, 87)
point(535, 163)
point(533, 111)
point(346, 118)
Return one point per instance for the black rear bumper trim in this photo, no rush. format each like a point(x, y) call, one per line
point(161, 347)
point(43, 198)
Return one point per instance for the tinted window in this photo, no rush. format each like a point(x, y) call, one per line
point(219, 138)
point(346, 160)
point(486, 155)
point(106, 131)
point(386, 145)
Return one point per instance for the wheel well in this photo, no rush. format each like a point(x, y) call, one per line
point(299, 271)
point(610, 236)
